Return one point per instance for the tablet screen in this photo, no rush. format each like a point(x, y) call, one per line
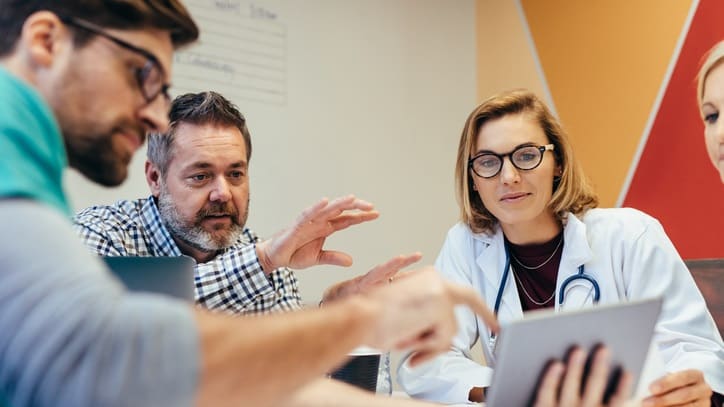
point(525, 347)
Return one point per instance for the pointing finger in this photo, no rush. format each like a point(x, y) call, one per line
point(383, 272)
point(466, 296)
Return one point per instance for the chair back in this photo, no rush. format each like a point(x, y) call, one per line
point(709, 277)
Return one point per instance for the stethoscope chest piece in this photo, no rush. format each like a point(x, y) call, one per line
point(570, 282)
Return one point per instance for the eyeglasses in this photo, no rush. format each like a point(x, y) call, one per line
point(488, 165)
point(150, 77)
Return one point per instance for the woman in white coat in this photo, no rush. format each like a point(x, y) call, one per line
point(523, 194)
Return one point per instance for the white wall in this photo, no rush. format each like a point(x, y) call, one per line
point(373, 96)
point(376, 96)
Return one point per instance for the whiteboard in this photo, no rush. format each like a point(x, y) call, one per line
point(366, 97)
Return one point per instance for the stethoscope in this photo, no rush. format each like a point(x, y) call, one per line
point(561, 295)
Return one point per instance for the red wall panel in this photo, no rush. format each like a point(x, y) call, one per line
point(674, 180)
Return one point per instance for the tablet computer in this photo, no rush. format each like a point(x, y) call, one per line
point(172, 276)
point(525, 347)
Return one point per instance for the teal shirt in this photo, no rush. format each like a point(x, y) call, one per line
point(70, 335)
point(31, 146)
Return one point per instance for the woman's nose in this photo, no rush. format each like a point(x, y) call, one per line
point(508, 173)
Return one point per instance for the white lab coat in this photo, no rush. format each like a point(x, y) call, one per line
point(625, 250)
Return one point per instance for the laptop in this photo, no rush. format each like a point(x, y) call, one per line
point(173, 276)
point(526, 346)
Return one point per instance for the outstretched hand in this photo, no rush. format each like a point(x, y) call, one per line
point(302, 244)
point(417, 313)
point(380, 274)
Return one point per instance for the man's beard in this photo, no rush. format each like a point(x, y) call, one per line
point(98, 158)
point(193, 233)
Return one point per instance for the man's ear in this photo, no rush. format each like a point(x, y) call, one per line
point(153, 178)
point(42, 38)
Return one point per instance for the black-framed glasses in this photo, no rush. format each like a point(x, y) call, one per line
point(526, 157)
point(150, 77)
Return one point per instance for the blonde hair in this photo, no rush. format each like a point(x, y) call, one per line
point(714, 57)
point(572, 193)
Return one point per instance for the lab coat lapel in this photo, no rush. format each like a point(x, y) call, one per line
point(491, 260)
point(576, 252)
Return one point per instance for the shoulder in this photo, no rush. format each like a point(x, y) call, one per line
point(619, 222)
point(50, 230)
point(462, 232)
point(461, 238)
point(122, 214)
point(18, 210)
point(459, 232)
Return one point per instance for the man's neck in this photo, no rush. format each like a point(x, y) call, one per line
point(201, 256)
point(14, 66)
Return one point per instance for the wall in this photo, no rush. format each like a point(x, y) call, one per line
point(506, 54)
point(372, 100)
point(612, 71)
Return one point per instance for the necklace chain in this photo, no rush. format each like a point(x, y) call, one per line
point(542, 264)
point(522, 286)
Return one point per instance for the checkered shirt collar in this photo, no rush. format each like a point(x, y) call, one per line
point(157, 232)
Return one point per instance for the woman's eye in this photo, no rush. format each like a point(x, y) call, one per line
point(489, 163)
point(711, 118)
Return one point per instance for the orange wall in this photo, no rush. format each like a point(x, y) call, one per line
point(620, 74)
point(505, 60)
point(603, 62)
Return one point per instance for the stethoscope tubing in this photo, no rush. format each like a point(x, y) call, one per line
point(561, 295)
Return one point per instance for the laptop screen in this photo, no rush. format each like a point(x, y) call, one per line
point(172, 276)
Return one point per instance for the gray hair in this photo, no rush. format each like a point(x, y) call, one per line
point(198, 109)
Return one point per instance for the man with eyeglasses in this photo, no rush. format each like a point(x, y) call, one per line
point(81, 84)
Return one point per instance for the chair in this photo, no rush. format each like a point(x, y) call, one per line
point(709, 277)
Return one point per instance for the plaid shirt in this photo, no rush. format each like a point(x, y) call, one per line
point(233, 281)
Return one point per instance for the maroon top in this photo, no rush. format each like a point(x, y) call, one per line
point(536, 283)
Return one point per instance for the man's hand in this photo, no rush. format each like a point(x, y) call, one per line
point(561, 385)
point(381, 274)
point(686, 387)
point(416, 313)
point(302, 245)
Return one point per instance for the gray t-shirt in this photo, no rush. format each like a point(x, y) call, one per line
point(70, 335)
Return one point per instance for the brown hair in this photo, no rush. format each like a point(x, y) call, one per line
point(168, 15)
point(198, 109)
point(572, 193)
